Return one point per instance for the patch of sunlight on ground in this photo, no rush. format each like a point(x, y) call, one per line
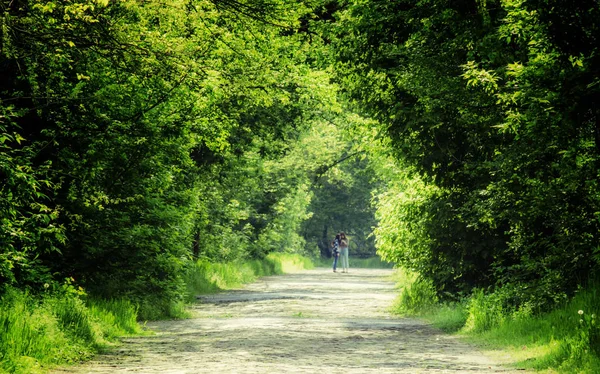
point(523, 356)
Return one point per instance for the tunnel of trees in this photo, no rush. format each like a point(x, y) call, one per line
point(459, 139)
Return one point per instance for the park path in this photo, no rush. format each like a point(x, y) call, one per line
point(315, 321)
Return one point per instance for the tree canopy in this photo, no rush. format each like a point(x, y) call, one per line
point(461, 139)
point(488, 106)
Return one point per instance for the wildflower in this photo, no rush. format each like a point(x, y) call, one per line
point(580, 312)
point(46, 285)
point(593, 316)
point(580, 321)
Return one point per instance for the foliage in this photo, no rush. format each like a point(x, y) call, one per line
point(117, 317)
point(564, 339)
point(204, 277)
point(485, 312)
point(60, 328)
point(64, 326)
point(417, 294)
point(557, 339)
point(487, 106)
point(28, 226)
point(137, 137)
point(141, 141)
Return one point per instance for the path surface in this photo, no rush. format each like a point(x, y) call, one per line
point(310, 322)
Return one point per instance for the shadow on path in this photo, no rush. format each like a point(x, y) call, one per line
point(310, 322)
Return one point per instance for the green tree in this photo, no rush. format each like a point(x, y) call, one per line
point(489, 103)
point(136, 128)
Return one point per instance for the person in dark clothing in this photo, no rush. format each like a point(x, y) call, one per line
point(335, 251)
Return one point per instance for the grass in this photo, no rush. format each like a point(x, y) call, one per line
point(37, 333)
point(359, 263)
point(206, 277)
point(42, 331)
point(564, 340)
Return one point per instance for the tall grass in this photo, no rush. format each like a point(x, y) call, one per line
point(117, 317)
point(39, 332)
point(289, 263)
point(205, 277)
point(564, 340)
point(359, 263)
point(152, 308)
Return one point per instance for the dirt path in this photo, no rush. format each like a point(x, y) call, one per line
point(311, 322)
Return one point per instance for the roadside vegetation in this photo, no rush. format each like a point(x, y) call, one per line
point(205, 277)
point(143, 143)
point(38, 332)
point(374, 262)
point(564, 340)
point(65, 326)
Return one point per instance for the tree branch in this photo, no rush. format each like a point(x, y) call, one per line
point(325, 168)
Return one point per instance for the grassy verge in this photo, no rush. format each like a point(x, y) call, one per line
point(564, 340)
point(359, 263)
point(205, 277)
point(39, 332)
point(64, 326)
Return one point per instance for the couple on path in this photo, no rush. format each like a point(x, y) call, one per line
point(340, 248)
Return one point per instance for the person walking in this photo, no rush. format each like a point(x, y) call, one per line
point(335, 251)
point(344, 252)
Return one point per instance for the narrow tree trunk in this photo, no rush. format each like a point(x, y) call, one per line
point(196, 245)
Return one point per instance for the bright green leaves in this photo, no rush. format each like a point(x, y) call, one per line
point(486, 79)
point(28, 226)
point(490, 102)
point(155, 132)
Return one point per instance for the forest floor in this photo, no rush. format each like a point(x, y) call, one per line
point(315, 321)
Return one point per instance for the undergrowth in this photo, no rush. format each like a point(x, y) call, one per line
point(205, 277)
point(39, 332)
point(359, 263)
point(564, 340)
point(64, 325)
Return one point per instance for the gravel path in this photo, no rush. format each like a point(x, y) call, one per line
point(310, 322)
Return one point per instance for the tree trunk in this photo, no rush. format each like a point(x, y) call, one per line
point(196, 245)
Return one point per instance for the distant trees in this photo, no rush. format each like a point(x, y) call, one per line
point(342, 202)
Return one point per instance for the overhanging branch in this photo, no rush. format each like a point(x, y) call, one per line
point(325, 168)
